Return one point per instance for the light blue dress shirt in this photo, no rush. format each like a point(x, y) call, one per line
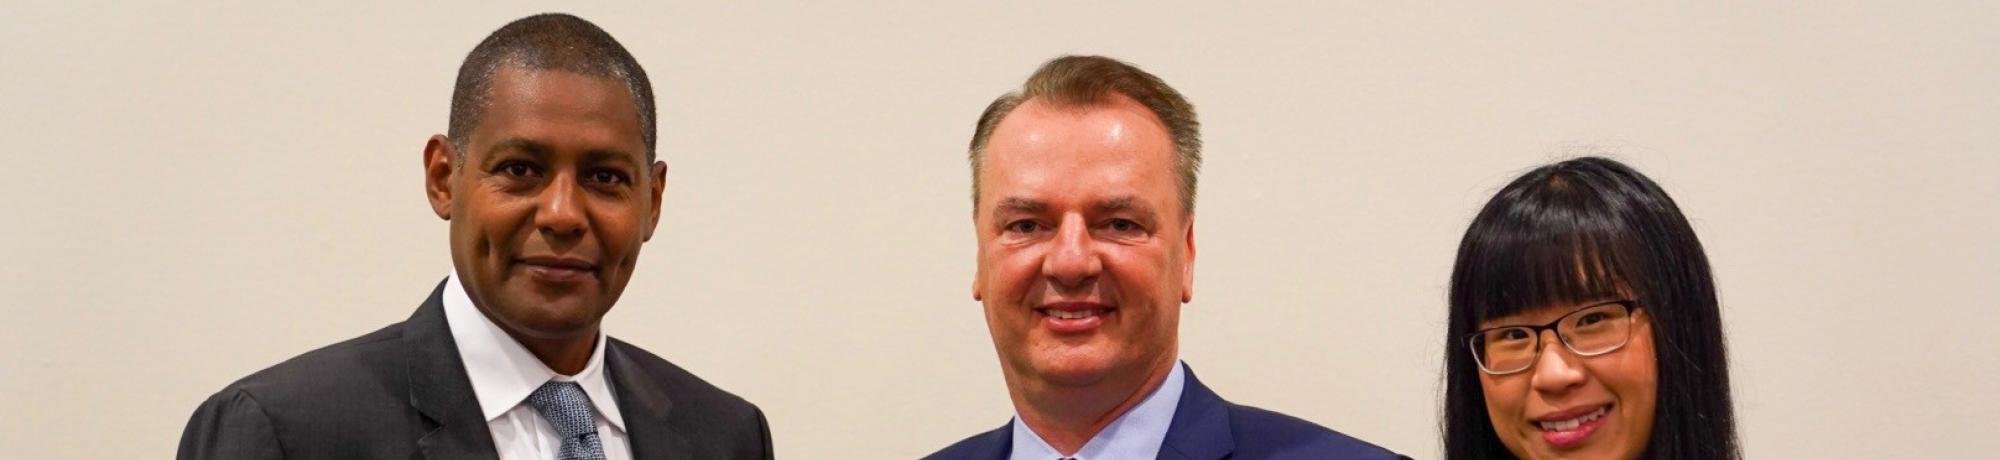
point(1135, 435)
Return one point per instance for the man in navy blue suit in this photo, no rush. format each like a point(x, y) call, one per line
point(1083, 193)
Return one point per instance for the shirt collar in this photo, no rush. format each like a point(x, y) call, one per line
point(504, 373)
point(1138, 433)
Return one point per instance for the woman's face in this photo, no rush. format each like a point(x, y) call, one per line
point(1569, 406)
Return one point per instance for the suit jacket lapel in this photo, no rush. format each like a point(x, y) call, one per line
point(439, 389)
point(646, 407)
point(1200, 430)
point(999, 444)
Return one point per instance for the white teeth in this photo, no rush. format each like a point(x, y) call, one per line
point(1078, 314)
point(1571, 424)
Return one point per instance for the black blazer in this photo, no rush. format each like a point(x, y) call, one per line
point(1205, 427)
point(401, 393)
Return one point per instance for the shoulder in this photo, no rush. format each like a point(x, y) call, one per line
point(991, 444)
point(688, 392)
point(301, 404)
point(651, 390)
point(1265, 434)
point(716, 423)
point(327, 381)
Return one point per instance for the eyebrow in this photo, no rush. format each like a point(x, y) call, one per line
point(531, 148)
point(1123, 203)
point(1032, 206)
point(541, 151)
point(608, 156)
point(1600, 300)
point(1025, 205)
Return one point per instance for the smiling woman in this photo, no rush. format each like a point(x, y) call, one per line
point(1569, 285)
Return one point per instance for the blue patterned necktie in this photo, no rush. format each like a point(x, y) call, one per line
point(567, 409)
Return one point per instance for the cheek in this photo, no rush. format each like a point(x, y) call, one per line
point(1635, 381)
point(491, 222)
point(618, 228)
point(1010, 272)
point(1504, 399)
point(1004, 327)
point(1638, 375)
point(1635, 372)
point(1143, 275)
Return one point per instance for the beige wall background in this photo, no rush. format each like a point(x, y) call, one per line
point(197, 192)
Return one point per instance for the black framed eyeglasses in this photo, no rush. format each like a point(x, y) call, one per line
point(1590, 331)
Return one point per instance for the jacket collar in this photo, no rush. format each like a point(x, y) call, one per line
point(439, 388)
point(456, 428)
point(644, 401)
point(1200, 430)
point(997, 444)
point(1201, 425)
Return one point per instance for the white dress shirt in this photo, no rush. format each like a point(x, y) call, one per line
point(504, 373)
point(1137, 433)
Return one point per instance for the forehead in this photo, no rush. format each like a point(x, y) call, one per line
point(1044, 148)
point(565, 110)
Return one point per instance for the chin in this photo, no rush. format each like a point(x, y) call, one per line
point(1071, 366)
point(1607, 449)
point(559, 320)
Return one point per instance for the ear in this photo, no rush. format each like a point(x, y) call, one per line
point(439, 156)
point(979, 282)
point(978, 273)
point(658, 172)
point(1187, 265)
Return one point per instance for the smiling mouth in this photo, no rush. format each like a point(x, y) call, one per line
point(553, 270)
point(1074, 314)
point(1570, 424)
point(1073, 317)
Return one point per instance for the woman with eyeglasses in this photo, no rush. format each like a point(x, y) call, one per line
point(1584, 325)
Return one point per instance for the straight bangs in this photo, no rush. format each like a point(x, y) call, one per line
point(1557, 246)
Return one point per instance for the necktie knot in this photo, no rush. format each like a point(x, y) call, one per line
point(567, 408)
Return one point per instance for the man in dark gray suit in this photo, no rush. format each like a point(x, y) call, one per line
point(550, 183)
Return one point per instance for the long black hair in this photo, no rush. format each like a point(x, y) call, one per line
point(1586, 229)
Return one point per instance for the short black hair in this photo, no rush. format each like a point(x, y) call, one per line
point(549, 41)
point(1581, 229)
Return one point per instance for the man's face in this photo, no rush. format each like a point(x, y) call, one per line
point(1085, 254)
point(550, 202)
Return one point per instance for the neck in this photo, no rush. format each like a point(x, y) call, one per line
point(566, 355)
point(1068, 417)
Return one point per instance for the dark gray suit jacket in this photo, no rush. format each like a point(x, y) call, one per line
point(401, 392)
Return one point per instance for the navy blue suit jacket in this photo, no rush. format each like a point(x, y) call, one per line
point(1205, 427)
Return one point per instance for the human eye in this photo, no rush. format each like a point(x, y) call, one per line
point(1598, 317)
point(517, 175)
point(1124, 228)
point(1507, 338)
point(609, 177)
point(517, 169)
point(1592, 318)
point(1023, 226)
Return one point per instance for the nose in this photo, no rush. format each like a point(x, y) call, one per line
point(1072, 260)
point(1556, 369)
point(559, 209)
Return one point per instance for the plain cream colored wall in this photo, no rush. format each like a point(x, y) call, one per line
point(197, 192)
